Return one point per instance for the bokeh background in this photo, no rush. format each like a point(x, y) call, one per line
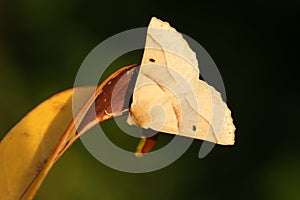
point(255, 46)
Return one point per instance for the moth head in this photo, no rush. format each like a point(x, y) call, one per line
point(138, 117)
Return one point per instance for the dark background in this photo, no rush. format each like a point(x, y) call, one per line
point(255, 46)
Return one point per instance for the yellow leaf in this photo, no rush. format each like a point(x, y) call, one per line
point(25, 149)
point(30, 149)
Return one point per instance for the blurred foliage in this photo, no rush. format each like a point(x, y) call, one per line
point(254, 44)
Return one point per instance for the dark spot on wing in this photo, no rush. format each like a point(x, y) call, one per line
point(194, 128)
point(151, 60)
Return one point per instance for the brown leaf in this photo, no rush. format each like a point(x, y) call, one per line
point(147, 142)
point(119, 86)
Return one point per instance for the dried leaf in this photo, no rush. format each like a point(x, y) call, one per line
point(112, 98)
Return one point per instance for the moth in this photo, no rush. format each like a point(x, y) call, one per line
point(169, 96)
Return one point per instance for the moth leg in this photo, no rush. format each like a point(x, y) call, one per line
point(115, 114)
point(147, 142)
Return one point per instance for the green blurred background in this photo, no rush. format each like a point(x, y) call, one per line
point(254, 44)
